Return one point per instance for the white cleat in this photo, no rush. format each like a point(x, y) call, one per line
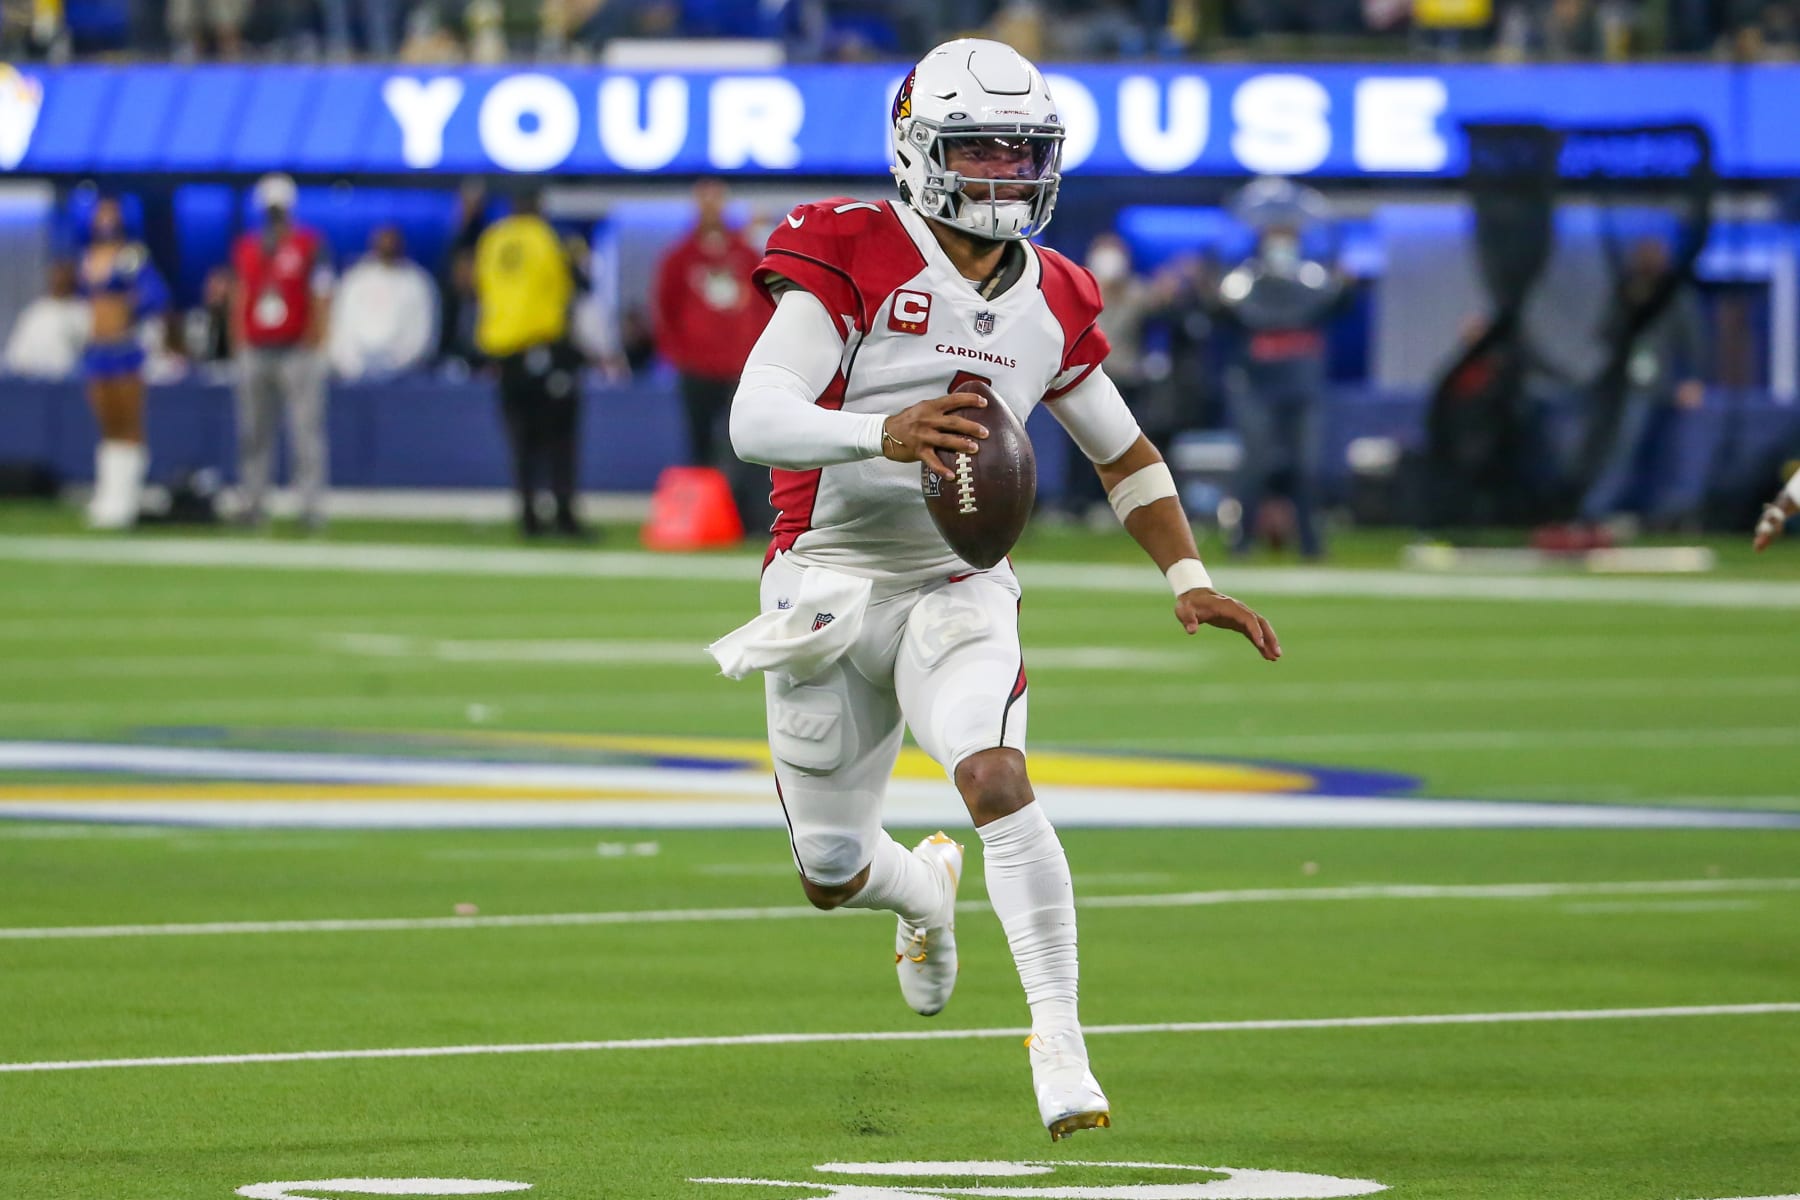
point(925, 955)
point(1068, 1096)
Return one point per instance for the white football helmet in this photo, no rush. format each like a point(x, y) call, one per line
point(985, 92)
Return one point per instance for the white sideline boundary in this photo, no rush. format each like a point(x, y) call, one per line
point(1402, 891)
point(922, 1035)
point(379, 558)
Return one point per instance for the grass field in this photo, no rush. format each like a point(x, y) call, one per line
point(657, 1009)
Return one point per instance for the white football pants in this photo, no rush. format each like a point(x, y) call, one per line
point(942, 659)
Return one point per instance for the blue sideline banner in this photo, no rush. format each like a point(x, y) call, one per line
point(1336, 121)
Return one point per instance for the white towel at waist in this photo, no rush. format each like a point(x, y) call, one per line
point(801, 641)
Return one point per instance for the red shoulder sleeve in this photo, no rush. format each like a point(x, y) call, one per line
point(851, 254)
point(1074, 299)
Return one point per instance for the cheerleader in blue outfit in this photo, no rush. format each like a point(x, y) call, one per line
point(123, 287)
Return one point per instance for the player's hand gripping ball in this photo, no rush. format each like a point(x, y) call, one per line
point(981, 496)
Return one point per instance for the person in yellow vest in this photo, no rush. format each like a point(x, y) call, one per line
point(525, 280)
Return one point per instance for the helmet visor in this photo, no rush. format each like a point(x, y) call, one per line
point(1025, 157)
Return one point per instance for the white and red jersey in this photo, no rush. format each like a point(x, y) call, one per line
point(913, 328)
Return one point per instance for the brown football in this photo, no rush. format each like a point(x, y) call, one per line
point(983, 510)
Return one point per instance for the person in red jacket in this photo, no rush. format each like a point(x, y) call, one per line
point(707, 316)
point(281, 292)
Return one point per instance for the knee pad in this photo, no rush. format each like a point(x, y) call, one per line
point(830, 857)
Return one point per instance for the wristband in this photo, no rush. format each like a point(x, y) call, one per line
point(1187, 575)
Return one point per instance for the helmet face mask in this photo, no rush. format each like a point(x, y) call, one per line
point(977, 141)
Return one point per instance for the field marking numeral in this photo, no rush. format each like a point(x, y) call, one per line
point(304, 1189)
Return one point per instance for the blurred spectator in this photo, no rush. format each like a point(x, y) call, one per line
point(384, 320)
point(1567, 29)
point(629, 19)
point(375, 20)
point(429, 37)
point(485, 21)
point(1128, 301)
point(594, 322)
point(1178, 387)
point(1021, 25)
point(47, 338)
point(34, 29)
point(1085, 29)
point(123, 287)
point(280, 312)
point(707, 318)
point(1257, 17)
point(207, 336)
point(637, 339)
point(1281, 301)
point(1759, 30)
point(1663, 377)
point(525, 282)
point(196, 24)
point(456, 279)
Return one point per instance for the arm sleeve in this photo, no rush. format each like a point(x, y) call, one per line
point(776, 417)
point(1097, 418)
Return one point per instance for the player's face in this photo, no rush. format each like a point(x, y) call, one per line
point(996, 158)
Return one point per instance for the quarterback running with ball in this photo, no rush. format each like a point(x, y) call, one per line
point(870, 623)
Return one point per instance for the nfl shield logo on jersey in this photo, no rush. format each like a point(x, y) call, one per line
point(821, 620)
point(984, 322)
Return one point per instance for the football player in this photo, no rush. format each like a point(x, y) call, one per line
point(1775, 513)
point(870, 622)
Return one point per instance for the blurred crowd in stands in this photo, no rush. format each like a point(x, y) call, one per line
point(442, 31)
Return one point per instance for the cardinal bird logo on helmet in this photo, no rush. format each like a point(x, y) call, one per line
point(903, 99)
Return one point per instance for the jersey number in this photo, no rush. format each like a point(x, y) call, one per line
point(967, 377)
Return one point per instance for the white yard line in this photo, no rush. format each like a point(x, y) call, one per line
point(1657, 690)
point(1263, 581)
point(1634, 907)
point(1667, 739)
point(927, 1035)
point(590, 652)
point(380, 559)
point(1398, 891)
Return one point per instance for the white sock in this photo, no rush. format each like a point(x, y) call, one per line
point(900, 883)
point(118, 484)
point(1028, 884)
